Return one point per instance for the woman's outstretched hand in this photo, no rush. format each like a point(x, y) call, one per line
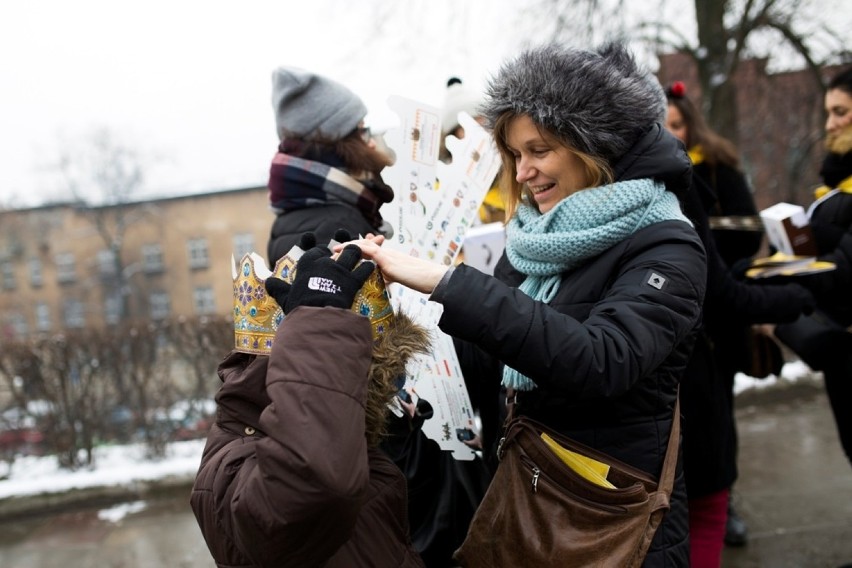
point(396, 266)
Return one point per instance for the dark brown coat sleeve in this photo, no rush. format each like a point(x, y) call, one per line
point(299, 504)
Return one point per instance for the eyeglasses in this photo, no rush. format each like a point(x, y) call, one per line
point(365, 132)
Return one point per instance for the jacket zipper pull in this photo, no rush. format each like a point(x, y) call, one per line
point(536, 472)
point(500, 448)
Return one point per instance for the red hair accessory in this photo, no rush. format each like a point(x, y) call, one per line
point(678, 89)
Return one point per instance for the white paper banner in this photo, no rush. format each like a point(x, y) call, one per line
point(433, 207)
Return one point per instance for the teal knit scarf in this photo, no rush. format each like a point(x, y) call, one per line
point(581, 226)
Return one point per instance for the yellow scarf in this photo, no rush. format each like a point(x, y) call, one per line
point(696, 154)
point(845, 186)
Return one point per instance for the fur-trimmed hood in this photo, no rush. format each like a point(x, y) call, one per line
point(391, 354)
point(242, 397)
point(598, 102)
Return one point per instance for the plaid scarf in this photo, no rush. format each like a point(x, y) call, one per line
point(297, 183)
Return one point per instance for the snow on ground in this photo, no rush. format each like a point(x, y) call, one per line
point(113, 466)
point(791, 372)
point(115, 514)
point(122, 465)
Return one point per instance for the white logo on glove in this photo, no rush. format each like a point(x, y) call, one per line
point(323, 285)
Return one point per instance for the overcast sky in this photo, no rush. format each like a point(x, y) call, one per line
point(187, 83)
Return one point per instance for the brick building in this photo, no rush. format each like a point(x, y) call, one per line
point(780, 125)
point(57, 271)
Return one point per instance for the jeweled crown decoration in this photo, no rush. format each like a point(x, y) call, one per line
point(257, 315)
point(372, 301)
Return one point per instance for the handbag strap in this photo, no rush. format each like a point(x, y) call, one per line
point(670, 461)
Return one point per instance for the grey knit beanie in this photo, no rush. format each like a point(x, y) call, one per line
point(310, 106)
point(598, 102)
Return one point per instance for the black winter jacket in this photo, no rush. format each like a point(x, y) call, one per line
point(731, 305)
point(831, 223)
point(732, 197)
point(832, 217)
point(323, 221)
point(607, 353)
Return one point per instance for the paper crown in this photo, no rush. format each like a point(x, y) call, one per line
point(257, 315)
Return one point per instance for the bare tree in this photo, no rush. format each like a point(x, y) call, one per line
point(200, 343)
point(65, 384)
point(789, 33)
point(61, 374)
point(717, 34)
point(17, 360)
point(137, 354)
point(104, 175)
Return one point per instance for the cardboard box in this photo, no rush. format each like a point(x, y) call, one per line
point(788, 229)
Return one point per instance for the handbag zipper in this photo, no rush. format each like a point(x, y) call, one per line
point(537, 473)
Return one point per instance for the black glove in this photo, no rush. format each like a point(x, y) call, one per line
point(739, 268)
point(341, 235)
point(307, 241)
point(804, 297)
point(322, 281)
point(279, 289)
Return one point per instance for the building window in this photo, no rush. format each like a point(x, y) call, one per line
point(160, 305)
point(112, 307)
point(16, 323)
point(152, 258)
point(8, 275)
point(198, 257)
point(42, 316)
point(204, 300)
point(65, 270)
point(75, 316)
point(36, 274)
point(243, 244)
point(106, 263)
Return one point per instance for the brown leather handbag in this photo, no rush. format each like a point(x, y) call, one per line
point(765, 355)
point(539, 512)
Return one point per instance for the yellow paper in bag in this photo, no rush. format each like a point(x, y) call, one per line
point(588, 468)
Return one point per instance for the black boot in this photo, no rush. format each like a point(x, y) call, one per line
point(736, 531)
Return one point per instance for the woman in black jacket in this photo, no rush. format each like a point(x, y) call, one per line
point(715, 163)
point(326, 173)
point(827, 346)
point(709, 430)
point(593, 309)
point(731, 307)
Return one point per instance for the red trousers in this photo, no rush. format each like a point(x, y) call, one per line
point(707, 518)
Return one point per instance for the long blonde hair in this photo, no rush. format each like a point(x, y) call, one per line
point(597, 170)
